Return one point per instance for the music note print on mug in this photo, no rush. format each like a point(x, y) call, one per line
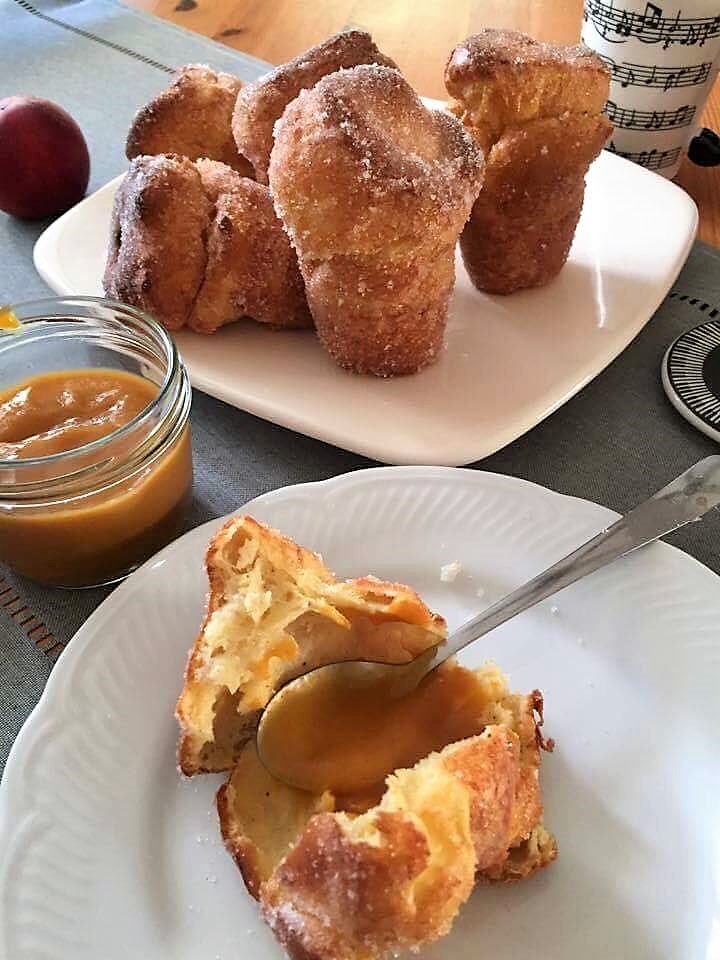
point(663, 61)
point(632, 119)
point(618, 24)
point(665, 78)
point(652, 159)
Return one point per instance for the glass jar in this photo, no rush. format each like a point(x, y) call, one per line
point(90, 515)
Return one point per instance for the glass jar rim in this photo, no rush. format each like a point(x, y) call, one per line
point(8, 340)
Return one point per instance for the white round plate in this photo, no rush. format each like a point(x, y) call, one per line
point(106, 854)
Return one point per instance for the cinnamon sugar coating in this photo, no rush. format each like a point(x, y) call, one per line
point(191, 117)
point(374, 189)
point(196, 244)
point(261, 103)
point(252, 269)
point(157, 257)
point(536, 109)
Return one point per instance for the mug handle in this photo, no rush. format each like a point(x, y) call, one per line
point(704, 149)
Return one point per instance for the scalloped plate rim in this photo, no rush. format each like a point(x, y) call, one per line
point(13, 787)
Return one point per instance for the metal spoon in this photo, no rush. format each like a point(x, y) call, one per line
point(334, 700)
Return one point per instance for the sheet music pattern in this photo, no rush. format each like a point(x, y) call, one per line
point(632, 119)
point(617, 25)
point(652, 159)
point(663, 58)
point(662, 78)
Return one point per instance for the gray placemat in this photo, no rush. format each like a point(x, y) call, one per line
point(615, 443)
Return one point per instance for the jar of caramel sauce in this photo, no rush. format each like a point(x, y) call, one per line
point(95, 453)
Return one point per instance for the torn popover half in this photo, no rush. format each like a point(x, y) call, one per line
point(275, 610)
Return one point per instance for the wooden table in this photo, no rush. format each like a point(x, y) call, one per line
point(419, 35)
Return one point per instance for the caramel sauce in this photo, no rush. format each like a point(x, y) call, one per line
point(103, 534)
point(65, 410)
point(348, 739)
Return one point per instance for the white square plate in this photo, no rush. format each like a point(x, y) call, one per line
point(509, 362)
point(107, 854)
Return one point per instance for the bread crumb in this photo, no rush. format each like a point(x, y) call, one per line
point(449, 571)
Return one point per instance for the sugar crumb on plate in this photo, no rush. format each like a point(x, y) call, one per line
point(450, 571)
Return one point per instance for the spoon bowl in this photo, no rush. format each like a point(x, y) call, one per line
point(317, 734)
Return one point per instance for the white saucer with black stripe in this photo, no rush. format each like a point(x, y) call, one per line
point(691, 377)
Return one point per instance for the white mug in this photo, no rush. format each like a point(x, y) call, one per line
point(663, 59)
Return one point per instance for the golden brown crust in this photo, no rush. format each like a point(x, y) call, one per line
point(273, 608)
point(385, 319)
point(245, 854)
point(502, 78)
point(527, 808)
point(534, 853)
point(252, 269)
point(536, 108)
point(374, 189)
point(334, 897)
point(521, 166)
point(156, 259)
point(261, 103)
point(198, 753)
point(191, 117)
point(491, 778)
point(196, 244)
point(523, 223)
point(396, 876)
point(361, 148)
